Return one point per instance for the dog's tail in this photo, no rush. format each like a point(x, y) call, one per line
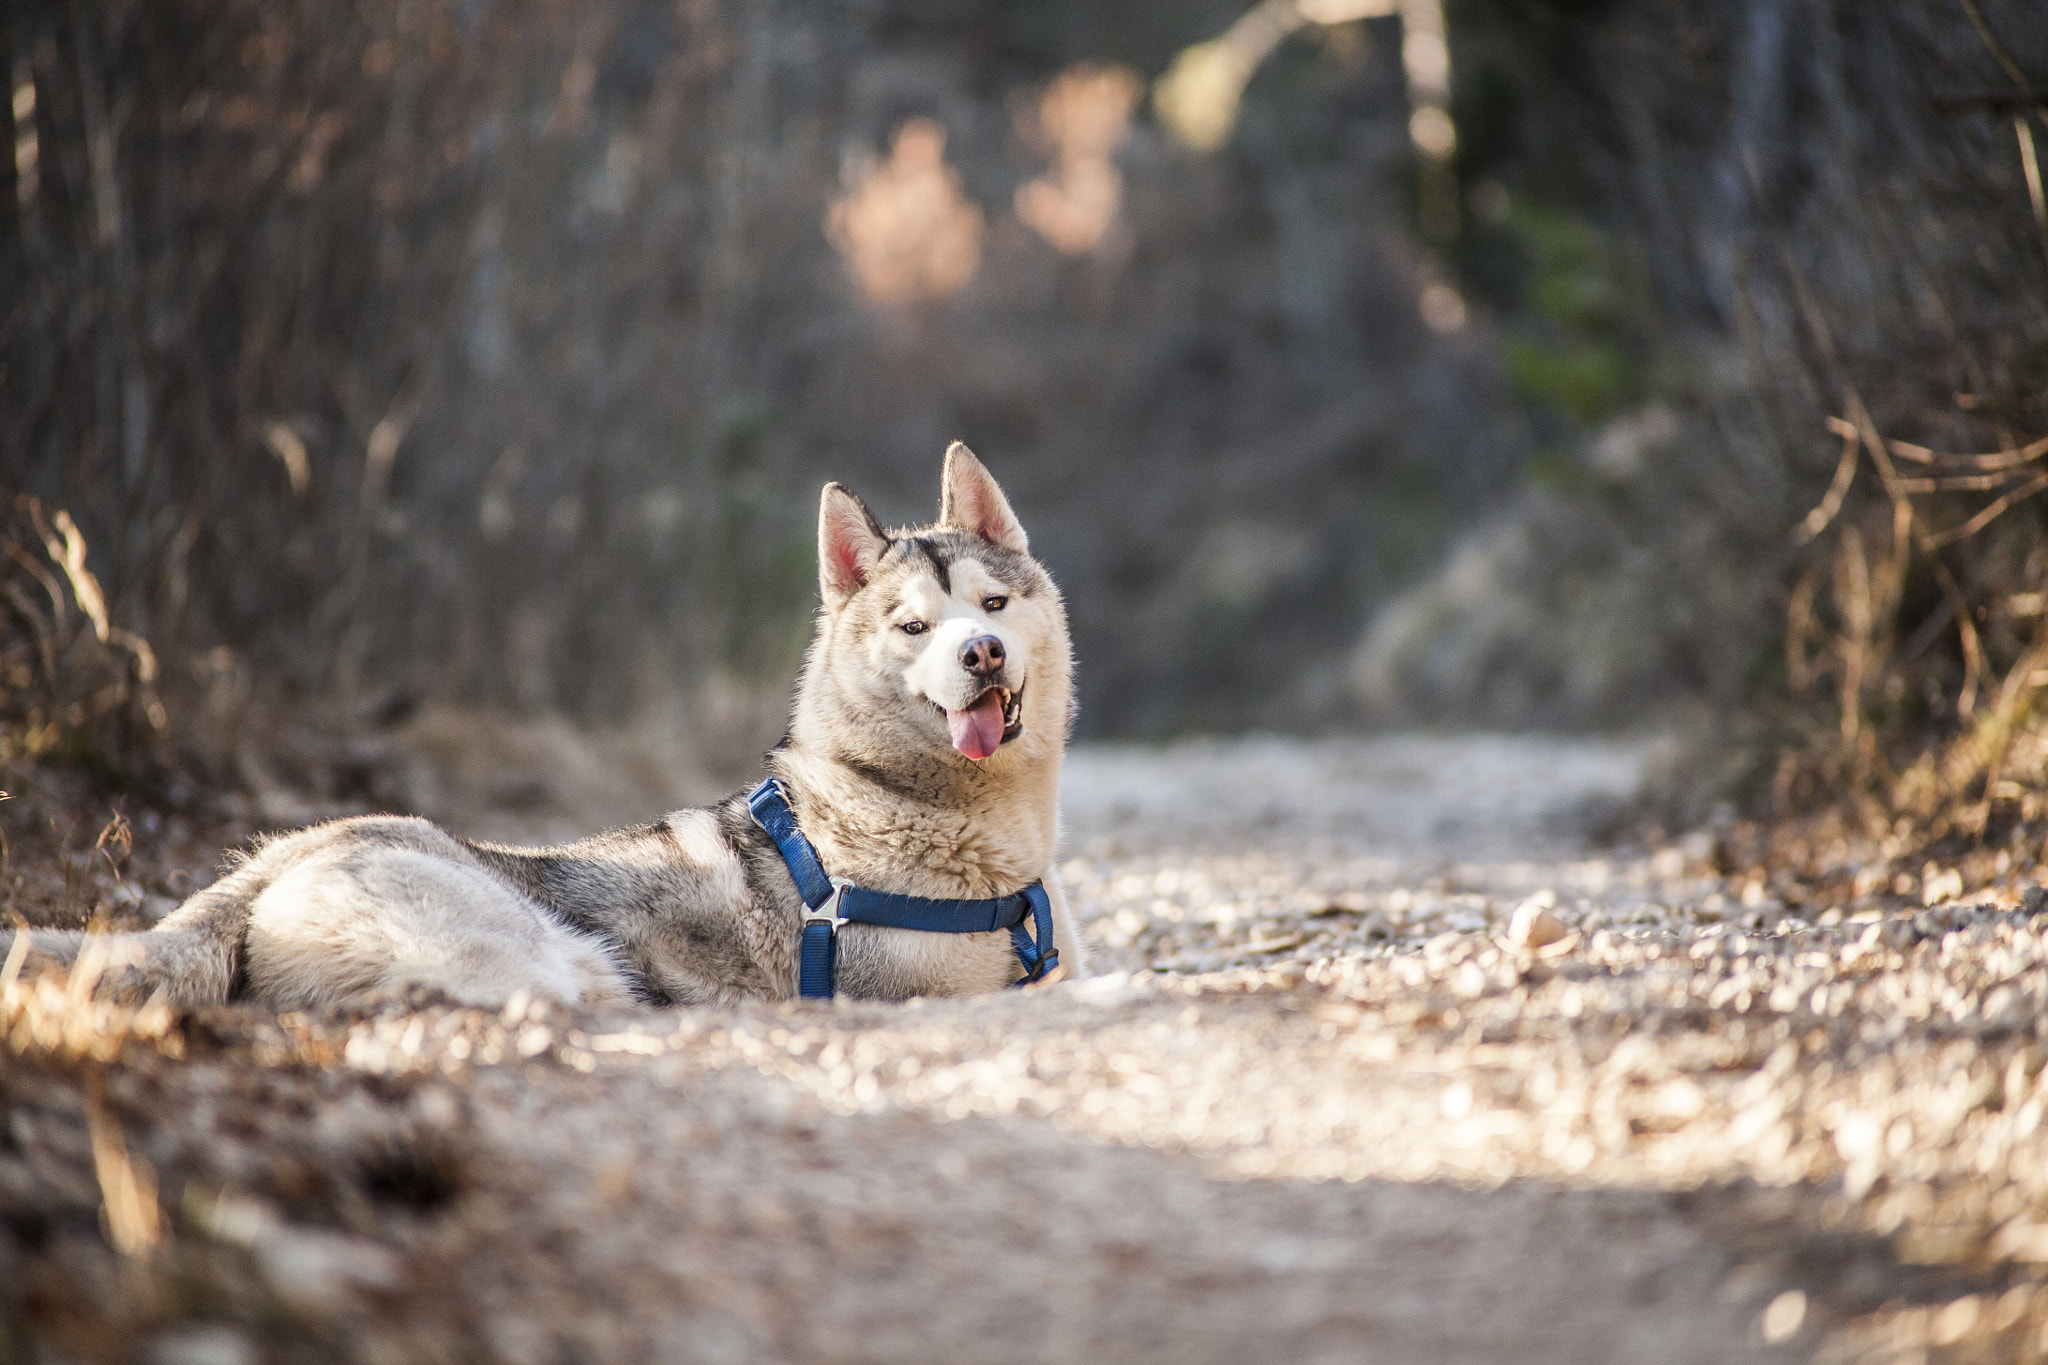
point(192, 958)
point(183, 969)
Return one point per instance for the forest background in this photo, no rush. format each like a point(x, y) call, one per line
point(1505, 363)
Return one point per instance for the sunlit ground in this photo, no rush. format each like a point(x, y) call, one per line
point(1337, 1089)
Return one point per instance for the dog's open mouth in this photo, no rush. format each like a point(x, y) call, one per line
point(987, 723)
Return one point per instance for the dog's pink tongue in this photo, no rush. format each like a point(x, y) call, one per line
point(978, 731)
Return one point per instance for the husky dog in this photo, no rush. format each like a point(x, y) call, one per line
point(923, 758)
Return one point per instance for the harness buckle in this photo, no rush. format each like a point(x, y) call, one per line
point(828, 913)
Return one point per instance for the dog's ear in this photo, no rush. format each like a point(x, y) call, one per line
point(850, 543)
point(970, 501)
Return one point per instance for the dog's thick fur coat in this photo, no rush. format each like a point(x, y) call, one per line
point(923, 757)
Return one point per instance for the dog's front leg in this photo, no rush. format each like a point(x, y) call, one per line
point(1065, 937)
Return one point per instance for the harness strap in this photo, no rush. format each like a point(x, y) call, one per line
point(830, 902)
point(1035, 950)
point(772, 813)
point(815, 959)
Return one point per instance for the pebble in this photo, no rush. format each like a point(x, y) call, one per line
point(1534, 927)
point(1783, 1319)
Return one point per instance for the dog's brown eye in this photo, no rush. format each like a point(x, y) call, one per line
point(914, 627)
point(994, 603)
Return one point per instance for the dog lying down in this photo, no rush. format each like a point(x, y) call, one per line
point(918, 786)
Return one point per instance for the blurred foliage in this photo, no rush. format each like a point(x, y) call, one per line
point(74, 685)
point(1578, 345)
point(424, 351)
point(1810, 236)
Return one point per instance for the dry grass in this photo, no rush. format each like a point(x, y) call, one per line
point(73, 684)
point(60, 1016)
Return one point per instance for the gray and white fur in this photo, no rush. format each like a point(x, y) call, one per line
point(923, 757)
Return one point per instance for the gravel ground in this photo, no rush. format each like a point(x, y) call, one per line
point(1382, 1063)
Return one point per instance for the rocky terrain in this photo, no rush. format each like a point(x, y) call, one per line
point(1384, 1058)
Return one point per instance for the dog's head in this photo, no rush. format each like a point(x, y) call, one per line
point(950, 637)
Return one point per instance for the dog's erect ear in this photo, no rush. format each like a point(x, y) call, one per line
point(850, 543)
point(970, 501)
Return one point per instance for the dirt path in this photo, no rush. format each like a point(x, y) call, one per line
point(1314, 1108)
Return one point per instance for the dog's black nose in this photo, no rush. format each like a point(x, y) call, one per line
point(982, 655)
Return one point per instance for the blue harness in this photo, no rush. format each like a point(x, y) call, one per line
point(832, 901)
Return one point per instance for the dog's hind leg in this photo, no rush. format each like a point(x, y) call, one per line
point(365, 924)
point(190, 959)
